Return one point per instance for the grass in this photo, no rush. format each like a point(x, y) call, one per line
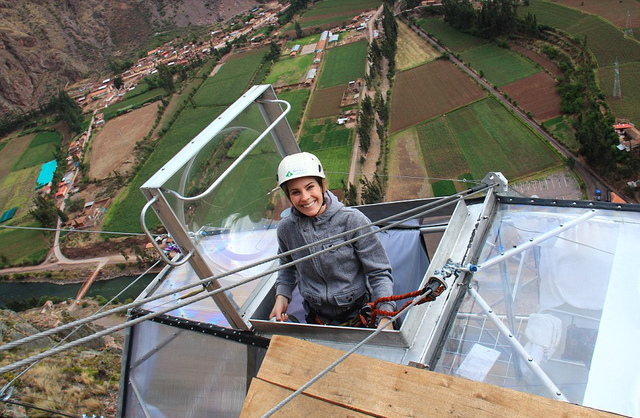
point(479, 138)
point(231, 80)
point(343, 64)
point(628, 106)
point(298, 101)
point(563, 133)
point(26, 244)
point(451, 38)
point(605, 40)
point(41, 149)
point(18, 189)
point(499, 66)
point(290, 70)
point(11, 152)
point(137, 100)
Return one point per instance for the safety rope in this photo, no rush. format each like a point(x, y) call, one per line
point(429, 293)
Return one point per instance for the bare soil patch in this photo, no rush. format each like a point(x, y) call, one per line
point(407, 175)
point(546, 63)
point(112, 148)
point(430, 90)
point(536, 94)
point(326, 102)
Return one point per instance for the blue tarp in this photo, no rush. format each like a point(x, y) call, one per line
point(46, 173)
point(8, 214)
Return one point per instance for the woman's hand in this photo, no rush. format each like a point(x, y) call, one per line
point(385, 323)
point(279, 310)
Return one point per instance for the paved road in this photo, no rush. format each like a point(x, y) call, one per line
point(591, 179)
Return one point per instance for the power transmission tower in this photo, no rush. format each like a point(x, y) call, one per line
point(617, 91)
point(628, 31)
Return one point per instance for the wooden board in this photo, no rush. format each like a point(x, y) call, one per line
point(378, 388)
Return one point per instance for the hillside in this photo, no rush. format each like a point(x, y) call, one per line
point(46, 44)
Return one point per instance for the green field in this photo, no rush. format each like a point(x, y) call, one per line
point(332, 144)
point(499, 66)
point(137, 100)
point(343, 64)
point(298, 101)
point(480, 138)
point(231, 80)
point(289, 70)
point(563, 133)
point(18, 189)
point(41, 150)
point(302, 41)
point(628, 106)
point(449, 37)
point(26, 245)
point(603, 39)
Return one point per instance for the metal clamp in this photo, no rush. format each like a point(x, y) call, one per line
point(240, 158)
point(153, 241)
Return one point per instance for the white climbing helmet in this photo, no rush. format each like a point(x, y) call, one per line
point(302, 164)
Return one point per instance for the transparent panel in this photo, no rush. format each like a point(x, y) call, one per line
point(233, 225)
point(171, 375)
point(567, 300)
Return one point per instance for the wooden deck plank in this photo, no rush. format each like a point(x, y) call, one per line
point(263, 396)
point(380, 388)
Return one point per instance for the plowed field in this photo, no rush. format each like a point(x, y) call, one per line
point(326, 102)
point(430, 90)
point(546, 63)
point(536, 94)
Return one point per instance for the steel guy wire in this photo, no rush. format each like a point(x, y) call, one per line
point(449, 200)
point(77, 328)
point(39, 228)
point(429, 207)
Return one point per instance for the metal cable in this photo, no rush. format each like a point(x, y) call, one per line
point(39, 228)
point(447, 201)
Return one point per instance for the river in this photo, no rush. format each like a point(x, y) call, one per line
point(106, 288)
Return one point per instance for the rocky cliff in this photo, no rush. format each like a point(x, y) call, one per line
point(45, 44)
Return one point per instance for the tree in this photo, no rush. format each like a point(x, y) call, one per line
point(45, 212)
point(299, 32)
point(117, 82)
point(165, 78)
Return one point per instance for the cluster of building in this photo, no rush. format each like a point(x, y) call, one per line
point(628, 135)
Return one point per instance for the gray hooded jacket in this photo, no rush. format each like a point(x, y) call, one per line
point(333, 281)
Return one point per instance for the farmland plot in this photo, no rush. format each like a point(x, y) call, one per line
point(407, 174)
point(12, 151)
point(289, 70)
point(332, 144)
point(298, 101)
point(412, 49)
point(628, 106)
point(40, 150)
point(429, 90)
point(326, 102)
point(449, 37)
point(536, 94)
point(333, 12)
point(499, 65)
point(343, 64)
point(603, 39)
point(614, 12)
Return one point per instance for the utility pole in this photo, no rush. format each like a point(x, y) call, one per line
point(628, 31)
